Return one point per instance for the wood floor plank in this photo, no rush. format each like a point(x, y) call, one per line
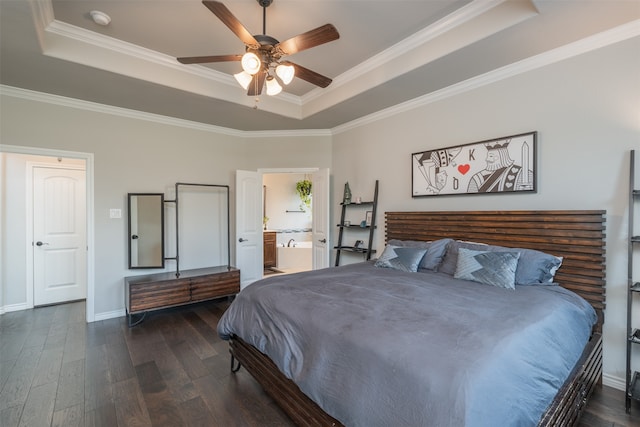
point(191, 363)
point(72, 416)
point(200, 346)
point(163, 410)
point(18, 383)
point(76, 343)
point(37, 337)
point(204, 330)
point(103, 416)
point(70, 385)
point(38, 409)
point(216, 401)
point(12, 343)
point(97, 379)
point(173, 373)
point(131, 409)
point(10, 417)
point(120, 365)
point(6, 367)
point(49, 365)
point(56, 339)
point(196, 414)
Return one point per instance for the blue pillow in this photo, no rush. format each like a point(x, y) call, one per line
point(534, 267)
point(435, 251)
point(435, 254)
point(399, 258)
point(491, 268)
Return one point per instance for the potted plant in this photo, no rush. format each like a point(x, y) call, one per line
point(303, 189)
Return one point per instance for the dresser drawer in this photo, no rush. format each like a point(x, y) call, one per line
point(214, 286)
point(147, 296)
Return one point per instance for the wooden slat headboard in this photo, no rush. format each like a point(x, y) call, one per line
point(577, 236)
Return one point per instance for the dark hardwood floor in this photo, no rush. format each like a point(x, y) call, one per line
point(171, 370)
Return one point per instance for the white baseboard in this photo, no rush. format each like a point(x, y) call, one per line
point(13, 307)
point(110, 315)
point(615, 382)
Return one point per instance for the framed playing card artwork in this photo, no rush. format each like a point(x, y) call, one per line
point(496, 166)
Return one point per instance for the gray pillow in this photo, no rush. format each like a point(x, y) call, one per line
point(450, 260)
point(435, 251)
point(399, 258)
point(435, 254)
point(534, 267)
point(491, 268)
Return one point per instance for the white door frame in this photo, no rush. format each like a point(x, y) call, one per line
point(89, 164)
point(262, 172)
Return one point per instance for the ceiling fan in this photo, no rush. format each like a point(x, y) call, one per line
point(262, 61)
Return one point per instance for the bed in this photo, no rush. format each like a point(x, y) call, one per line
point(485, 370)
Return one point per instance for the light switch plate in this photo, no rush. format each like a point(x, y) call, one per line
point(115, 213)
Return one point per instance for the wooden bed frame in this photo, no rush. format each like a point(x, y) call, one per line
point(577, 236)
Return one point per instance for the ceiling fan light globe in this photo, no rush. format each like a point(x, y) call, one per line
point(251, 63)
point(286, 73)
point(243, 78)
point(273, 88)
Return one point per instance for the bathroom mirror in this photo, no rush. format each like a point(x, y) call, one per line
point(146, 230)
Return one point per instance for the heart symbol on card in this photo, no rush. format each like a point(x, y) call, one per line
point(463, 169)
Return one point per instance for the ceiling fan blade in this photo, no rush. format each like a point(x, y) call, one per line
point(205, 59)
point(310, 76)
point(257, 82)
point(227, 18)
point(316, 37)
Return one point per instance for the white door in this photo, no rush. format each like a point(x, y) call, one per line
point(59, 235)
point(249, 243)
point(320, 220)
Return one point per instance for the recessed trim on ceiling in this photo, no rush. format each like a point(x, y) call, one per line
point(465, 26)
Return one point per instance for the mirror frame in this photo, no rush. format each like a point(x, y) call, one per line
point(130, 236)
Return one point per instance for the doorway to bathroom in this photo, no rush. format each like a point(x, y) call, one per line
point(253, 209)
point(287, 222)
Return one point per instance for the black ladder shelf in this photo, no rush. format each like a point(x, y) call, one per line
point(345, 226)
point(633, 333)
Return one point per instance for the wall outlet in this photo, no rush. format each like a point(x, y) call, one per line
point(115, 213)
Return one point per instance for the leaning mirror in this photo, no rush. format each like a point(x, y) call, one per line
point(146, 230)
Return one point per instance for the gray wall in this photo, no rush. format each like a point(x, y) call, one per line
point(133, 155)
point(587, 113)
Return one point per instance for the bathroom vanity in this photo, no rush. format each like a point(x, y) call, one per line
point(270, 257)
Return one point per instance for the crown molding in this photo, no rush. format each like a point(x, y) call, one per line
point(64, 101)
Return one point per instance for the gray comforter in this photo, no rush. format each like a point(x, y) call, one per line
point(380, 347)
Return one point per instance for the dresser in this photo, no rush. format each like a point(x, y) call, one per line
point(162, 290)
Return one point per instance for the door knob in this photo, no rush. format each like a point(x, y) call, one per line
point(38, 243)
point(323, 241)
point(242, 240)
